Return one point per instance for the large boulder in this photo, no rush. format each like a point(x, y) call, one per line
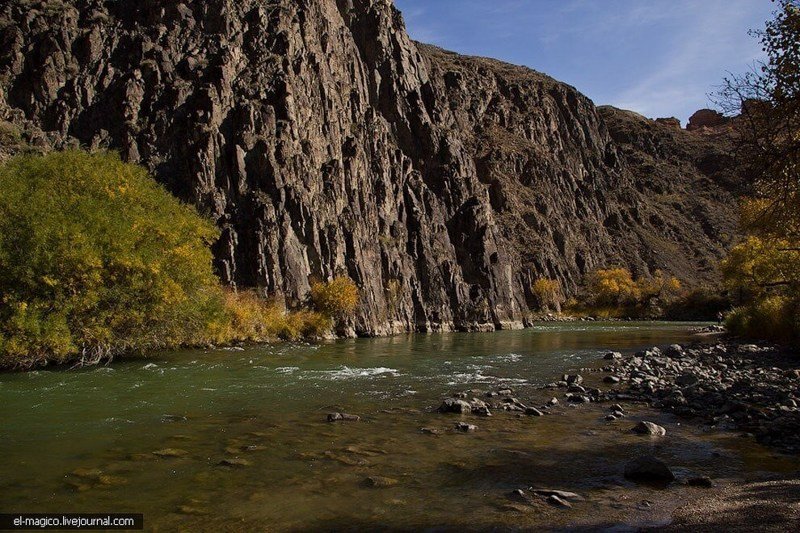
point(648, 428)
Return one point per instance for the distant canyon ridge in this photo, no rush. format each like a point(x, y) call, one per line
point(324, 142)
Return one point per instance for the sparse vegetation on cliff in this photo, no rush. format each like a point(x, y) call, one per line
point(548, 294)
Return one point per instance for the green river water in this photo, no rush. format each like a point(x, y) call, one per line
point(83, 441)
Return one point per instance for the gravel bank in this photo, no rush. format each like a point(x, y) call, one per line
point(753, 388)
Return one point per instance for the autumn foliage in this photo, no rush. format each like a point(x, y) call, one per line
point(97, 260)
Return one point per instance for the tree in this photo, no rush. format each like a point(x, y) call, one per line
point(767, 102)
point(613, 287)
point(659, 286)
point(758, 267)
point(96, 258)
point(763, 270)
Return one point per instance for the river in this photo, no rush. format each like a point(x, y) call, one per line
point(83, 440)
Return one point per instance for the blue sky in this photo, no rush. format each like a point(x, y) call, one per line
point(657, 57)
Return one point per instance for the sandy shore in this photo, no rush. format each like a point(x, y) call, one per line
point(770, 504)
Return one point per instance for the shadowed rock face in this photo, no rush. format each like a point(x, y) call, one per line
point(324, 141)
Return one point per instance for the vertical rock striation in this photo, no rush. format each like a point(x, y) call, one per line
point(324, 141)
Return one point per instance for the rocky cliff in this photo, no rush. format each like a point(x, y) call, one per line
point(324, 141)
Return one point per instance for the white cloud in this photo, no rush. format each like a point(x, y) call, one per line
point(711, 34)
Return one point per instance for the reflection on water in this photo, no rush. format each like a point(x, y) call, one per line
point(242, 442)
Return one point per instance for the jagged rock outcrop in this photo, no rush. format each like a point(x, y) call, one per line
point(324, 141)
point(670, 121)
point(706, 118)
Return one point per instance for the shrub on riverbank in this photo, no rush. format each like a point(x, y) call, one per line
point(249, 317)
point(764, 273)
point(775, 317)
point(97, 260)
point(614, 293)
point(548, 294)
point(337, 298)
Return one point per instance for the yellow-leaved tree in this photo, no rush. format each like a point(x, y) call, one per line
point(763, 270)
point(97, 258)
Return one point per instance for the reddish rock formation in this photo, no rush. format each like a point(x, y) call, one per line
point(706, 118)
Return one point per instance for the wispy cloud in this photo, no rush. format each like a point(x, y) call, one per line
point(708, 36)
point(656, 57)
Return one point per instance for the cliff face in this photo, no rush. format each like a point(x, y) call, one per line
point(324, 141)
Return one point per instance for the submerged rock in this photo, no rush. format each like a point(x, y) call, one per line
point(170, 452)
point(193, 510)
point(343, 417)
point(648, 468)
point(380, 481)
point(465, 428)
point(234, 462)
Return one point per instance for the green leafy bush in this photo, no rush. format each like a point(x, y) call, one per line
point(96, 259)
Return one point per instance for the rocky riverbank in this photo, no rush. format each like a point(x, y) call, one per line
point(753, 388)
point(750, 388)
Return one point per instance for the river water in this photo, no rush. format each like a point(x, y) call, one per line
point(84, 441)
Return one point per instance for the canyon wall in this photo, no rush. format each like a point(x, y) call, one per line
point(324, 141)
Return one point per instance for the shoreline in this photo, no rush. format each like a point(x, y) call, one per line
point(753, 388)
point(73, 364)
point(721, 397)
